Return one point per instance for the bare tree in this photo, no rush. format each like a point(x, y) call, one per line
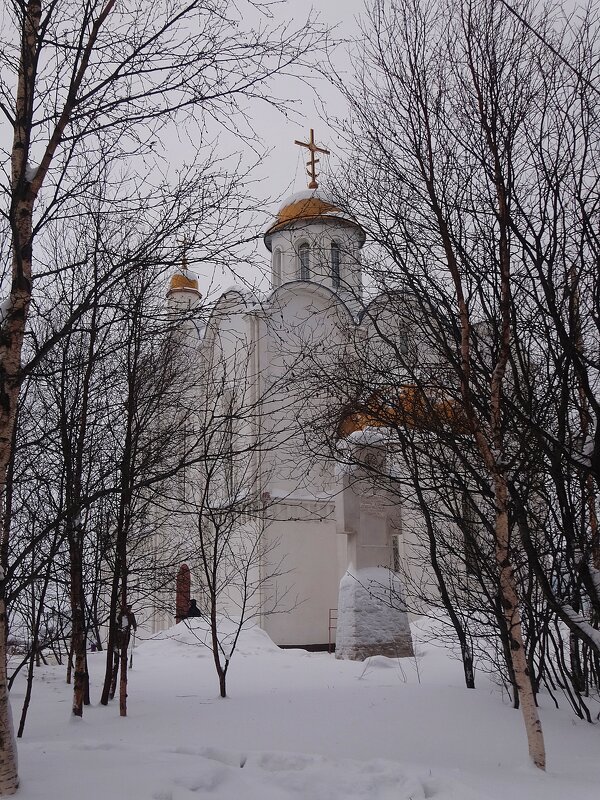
point(219, 512)
point(98, 83)
point(473, 167)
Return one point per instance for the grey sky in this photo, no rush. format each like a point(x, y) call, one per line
point(303, 106)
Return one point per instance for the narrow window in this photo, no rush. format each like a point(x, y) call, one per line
point(229, 454)
point(403, 339)
point(304, 257)
point(277, 268)
point(335, 265)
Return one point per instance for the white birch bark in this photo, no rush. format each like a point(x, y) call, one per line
point(9, 776)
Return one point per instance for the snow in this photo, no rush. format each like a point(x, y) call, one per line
point(245, 293)
point(306, 194)
point(187, 273)
point(319, 194)
point(30, 171)
point(296, 726)
point(368, 614)
point(583, 624)
point(370, 435)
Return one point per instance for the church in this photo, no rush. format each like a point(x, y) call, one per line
point(266, 521)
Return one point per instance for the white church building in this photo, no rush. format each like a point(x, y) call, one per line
point(266, 517)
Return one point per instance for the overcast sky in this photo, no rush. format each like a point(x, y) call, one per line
point(306, 106)
point(303, 106)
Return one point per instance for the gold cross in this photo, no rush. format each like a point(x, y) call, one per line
point(312, 162)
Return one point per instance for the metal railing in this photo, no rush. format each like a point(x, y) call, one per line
point(332, 627)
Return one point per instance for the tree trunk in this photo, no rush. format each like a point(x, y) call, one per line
point(110, 673)
point(112, 689)
point(12, 334)
point(69, 676)
point(125, 628)
point(505, 642)
point(222, 686)
point(512, 614)
point(77, 618)
point(86, 686)
point(221, 668)
point(123, 681)
point(9, 778)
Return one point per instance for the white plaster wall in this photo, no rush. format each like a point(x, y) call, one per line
point(319, 236)
point(260, 352)
point(301, 323)
point(298, 317)
point(310, 586)
point(253, 356)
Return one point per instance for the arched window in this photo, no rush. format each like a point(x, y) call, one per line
point(335, 265)
point(277, 268)
point(304, 258)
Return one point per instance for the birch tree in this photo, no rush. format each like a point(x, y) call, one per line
point(473, 148)
point(97, 82)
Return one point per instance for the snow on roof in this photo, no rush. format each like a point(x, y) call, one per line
point(244, 291)
point(307, 194)
point(367, 436)
point(187, 273)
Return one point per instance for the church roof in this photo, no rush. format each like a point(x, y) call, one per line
point(408, 406)
point(183, 280)
point(312, 205)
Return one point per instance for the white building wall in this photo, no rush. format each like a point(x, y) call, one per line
point(286, 263)
point(308, 585)
point(260, 353)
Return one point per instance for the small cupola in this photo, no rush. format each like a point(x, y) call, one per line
point(183, 293)
point(311, 239)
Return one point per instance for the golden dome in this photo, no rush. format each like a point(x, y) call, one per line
point(183, 281)
point(311, 205)
point(305, 208)
point(410, 406)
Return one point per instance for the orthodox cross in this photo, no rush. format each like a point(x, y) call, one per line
point(312, 162)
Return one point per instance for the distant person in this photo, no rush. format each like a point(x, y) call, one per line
point(126, 622)
point(193, 610)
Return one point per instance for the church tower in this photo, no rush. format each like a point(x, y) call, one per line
point(311, 239)
point(183, 293)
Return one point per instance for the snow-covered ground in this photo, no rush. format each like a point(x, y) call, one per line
point(296, 725)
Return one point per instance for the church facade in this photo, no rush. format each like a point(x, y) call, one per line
point(267, 516)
